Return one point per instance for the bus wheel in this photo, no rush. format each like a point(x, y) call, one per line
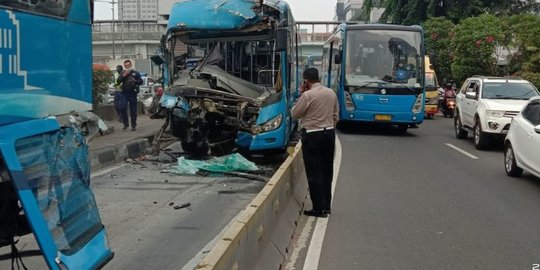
point(402, 129)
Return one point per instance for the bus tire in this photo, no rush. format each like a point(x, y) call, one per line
point(402, 129)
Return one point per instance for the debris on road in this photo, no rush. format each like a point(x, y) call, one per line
point(184, 205)
point(229, 163)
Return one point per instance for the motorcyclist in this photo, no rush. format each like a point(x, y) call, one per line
point(449, 92)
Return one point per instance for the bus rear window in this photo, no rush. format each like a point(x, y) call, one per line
point(57, 8)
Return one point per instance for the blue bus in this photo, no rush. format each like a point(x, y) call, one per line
point(45, 75)
point(377, 72)
point(240, 93)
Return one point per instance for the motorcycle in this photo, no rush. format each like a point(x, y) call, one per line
point(449, 106)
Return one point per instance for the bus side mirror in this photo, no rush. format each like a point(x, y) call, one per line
point(281, 39)
point(337, 59)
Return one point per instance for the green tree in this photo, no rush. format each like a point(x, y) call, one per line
point(474, 46)
point(101, 78)
point(521, 41)
point(439, 33)
point(395, 11)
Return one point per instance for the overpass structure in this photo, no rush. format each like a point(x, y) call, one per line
point(115, 41)
point(313, 35)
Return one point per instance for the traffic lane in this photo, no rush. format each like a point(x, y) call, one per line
point(146, 231)
point(412, 202)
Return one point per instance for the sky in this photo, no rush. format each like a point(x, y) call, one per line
point(303, 10)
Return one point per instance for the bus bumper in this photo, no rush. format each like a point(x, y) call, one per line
point(390, 118)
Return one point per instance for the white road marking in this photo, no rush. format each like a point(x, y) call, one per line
point(462, 151)
point(315, 246)
point(300, 244)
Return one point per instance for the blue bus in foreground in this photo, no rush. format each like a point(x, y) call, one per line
point(45, 93)
point(240, 93)
point(377, 72)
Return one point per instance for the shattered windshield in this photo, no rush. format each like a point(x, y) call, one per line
point(248, 68)
point(391, 56)
point(57, 170)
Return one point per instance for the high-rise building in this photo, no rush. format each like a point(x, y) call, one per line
point(340, 11)
point(138, 10)
point(352, 8)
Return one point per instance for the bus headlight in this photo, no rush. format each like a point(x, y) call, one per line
point(349, 104)
point(417, 108)
point(168, 101)
point(270, 125)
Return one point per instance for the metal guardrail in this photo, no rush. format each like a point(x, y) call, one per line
point(101, 36)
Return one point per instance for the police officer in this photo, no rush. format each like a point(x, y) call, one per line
point(130, 80)
point(317, 107)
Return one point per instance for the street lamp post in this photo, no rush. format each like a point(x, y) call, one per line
point(113, 26)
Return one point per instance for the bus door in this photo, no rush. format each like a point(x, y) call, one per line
point(50, 170)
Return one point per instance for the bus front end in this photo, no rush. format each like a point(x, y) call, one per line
point(383, 80)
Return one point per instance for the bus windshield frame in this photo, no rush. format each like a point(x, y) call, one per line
point(385, 58)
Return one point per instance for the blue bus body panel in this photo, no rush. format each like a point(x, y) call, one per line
point(218, 14)
point(278, 138)
point(212, 14)
point(42, 72)
point(53, 187)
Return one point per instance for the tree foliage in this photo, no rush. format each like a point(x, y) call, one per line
point(439, 33)
point(474, 46)
point(101, 78)
point(417, 11)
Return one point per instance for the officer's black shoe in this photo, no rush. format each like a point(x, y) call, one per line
point(316, 213)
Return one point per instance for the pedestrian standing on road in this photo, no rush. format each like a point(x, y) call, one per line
point(130, 80)
point(118, 94)
point(317, 108)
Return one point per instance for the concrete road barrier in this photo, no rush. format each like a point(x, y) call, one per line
point(260, 235)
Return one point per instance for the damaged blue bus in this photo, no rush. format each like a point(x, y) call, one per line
point(240, 93)
point(45, 99)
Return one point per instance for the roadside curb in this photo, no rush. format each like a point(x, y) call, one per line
point(112, 154)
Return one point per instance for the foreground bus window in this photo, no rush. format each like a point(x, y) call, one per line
point(45, 99)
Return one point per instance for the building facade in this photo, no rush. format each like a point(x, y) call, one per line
point(136, 10)
point(352, 9)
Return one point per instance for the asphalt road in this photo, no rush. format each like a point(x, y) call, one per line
point(136, 202)
point(412, 202)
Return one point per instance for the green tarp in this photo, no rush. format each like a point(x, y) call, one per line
point(229, 163)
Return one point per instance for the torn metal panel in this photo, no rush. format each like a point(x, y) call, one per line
point(234, 84)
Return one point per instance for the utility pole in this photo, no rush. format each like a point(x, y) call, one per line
point(113, 25)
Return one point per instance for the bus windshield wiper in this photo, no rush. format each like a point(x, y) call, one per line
point(405, 86)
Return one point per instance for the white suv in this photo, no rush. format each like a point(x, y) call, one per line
point(486, 105)
point(522, 145)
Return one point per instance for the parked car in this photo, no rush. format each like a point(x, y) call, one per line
point(486, 105)
point(522, 145)
point(146, 89)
